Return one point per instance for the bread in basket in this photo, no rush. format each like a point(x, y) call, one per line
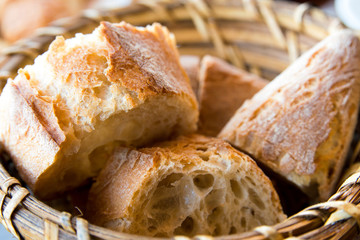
point(217, 28)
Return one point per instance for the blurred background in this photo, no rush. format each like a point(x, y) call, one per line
point(20, 18)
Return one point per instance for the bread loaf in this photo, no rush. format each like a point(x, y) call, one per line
point(120, 83)
point(191, 185)
point(20, 18)
point(223, 88)
point(301, 124)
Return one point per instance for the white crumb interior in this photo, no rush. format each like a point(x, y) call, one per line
point(219, 199)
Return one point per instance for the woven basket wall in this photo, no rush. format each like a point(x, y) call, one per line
point(261, 36)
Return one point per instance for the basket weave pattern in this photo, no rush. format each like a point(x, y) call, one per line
point(261, 36)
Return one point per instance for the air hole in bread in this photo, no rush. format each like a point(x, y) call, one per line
point(331, 171)
point(236, 189)
point(214, 215)
point(103, 92)
point(203, 181)
point(255, 114)
point(254, 197)
point(308, 94)
point(204, 157)
point(243, 222)
point(302, 98)
point(247, 211)
point(94, 59)
point(232, 230)
point(186, 228)
point(27, 75)
point(310, 83)
point(169, 180)
point(203, 149)
point(214, 218)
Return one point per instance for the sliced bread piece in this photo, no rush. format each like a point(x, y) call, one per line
point(120, 83)
point(192, 185)
point(301, 124)
point(223, 88)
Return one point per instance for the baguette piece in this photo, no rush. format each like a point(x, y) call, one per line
point(20, 18)
point(223, 88)
point(191, 185)
point(120, 83)
point(301, 124)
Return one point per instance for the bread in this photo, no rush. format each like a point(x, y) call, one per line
point(191, 185)
point(120, 83)
point(191, 65)
point(223, 88)
point(301, 124)
point(20, 18)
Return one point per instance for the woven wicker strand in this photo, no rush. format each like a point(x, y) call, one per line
point(261, 36)
point(269, 232)
point(50, 230)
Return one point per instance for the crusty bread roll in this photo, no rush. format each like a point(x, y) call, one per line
point(119, 83)
point(191, 65)
point(20, 18)
point(223, 88)
point(191, 185)
point(301, 124)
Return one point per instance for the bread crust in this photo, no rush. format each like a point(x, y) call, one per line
point(126, 51)
point(20, 139)
point(301, 124)
point(223, 89)
point(122, 196)
point(89, 91)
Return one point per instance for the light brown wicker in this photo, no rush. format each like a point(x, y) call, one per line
point(261, 36)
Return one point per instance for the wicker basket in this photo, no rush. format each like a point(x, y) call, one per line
point(261, 36)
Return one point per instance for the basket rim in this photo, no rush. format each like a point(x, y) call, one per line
point(53, 222)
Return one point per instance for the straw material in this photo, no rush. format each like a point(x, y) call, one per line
point(261, 36)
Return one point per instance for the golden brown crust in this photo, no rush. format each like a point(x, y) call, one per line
point(22, 141)
point(126, 164)
point(134, 51)
point(82, 95)
point(301, 124)
point(43, 110)
point(223, 89)
point(126, 188)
